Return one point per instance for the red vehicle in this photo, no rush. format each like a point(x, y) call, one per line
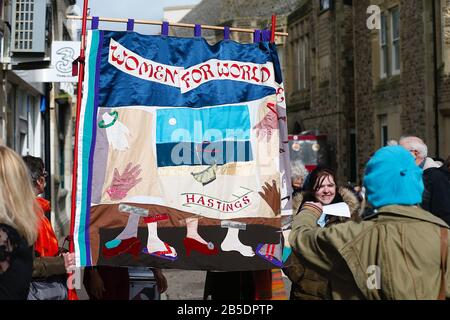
point(310, 148)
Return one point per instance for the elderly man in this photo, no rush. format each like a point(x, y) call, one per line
point(298, 175)
point(419, 151)
point(399, 251)
point(436, 196)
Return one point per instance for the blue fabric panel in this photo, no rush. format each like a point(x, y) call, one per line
point(195, 154)
point(118, 88)
point(198, 125)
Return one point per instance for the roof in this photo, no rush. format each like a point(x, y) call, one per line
point(183, 7)
point(218, 12)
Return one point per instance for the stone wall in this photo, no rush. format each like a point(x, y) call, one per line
point(363, 84)
point(327, 105)
point(408, 98)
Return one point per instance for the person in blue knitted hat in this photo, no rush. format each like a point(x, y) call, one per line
point(398, 252)
point(393, 178)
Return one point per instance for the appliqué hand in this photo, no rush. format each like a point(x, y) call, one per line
point(266, 126)
point(271, 195)
point(122, 183)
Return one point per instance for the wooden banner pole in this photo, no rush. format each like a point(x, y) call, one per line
point(176, 24)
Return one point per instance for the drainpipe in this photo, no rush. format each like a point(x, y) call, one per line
point(436, 81)
point(47, 146)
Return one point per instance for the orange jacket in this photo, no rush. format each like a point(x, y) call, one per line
point(46, 244)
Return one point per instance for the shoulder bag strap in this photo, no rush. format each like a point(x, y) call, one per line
point(444, 248)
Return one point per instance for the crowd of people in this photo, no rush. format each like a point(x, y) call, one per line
point(393, 244)
point(33, 265)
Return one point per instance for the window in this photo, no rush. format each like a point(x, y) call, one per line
point(353, 157)
point(22, 102)
point(395, 40)
point(302, 62)
point(390, 43)
point(299, 56)
point(383, 48)
point(280, 51)
point(383, 130)
point(325, 5)
point(306, 62)
point(28, 29)
point(23, 144)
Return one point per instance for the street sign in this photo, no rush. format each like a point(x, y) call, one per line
point(63, 54)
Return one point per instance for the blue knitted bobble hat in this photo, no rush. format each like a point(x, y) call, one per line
point(393, 178)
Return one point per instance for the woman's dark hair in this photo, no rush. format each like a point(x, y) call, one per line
point(313, 182)
point(35, 166)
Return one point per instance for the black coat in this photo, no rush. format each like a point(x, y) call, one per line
point(16, 258)
point(436, 197)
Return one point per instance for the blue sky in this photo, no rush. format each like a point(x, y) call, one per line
point(136, 9)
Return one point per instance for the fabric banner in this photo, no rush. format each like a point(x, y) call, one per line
point(183, 158)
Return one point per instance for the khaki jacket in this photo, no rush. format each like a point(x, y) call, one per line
point(307, 284)
point(45, 267)
point(394, 255)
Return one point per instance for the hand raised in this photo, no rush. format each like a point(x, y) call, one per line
point(271, 195)
point(122, 183)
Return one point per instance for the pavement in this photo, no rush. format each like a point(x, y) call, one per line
point(189, 285)
point(184, 284)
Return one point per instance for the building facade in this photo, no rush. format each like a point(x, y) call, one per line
point(319, 89)
point(402, 69)
point(367, 72)
point(62, 113)
point(442, 111)
point(36, 116)
point(21, 122)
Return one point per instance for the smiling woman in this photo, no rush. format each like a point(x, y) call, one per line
point(325, 189)
point(320, 189)
point(320, 186)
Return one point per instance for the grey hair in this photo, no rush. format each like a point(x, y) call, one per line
point(415, 143)
point(298, 170)
point(392, 142)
